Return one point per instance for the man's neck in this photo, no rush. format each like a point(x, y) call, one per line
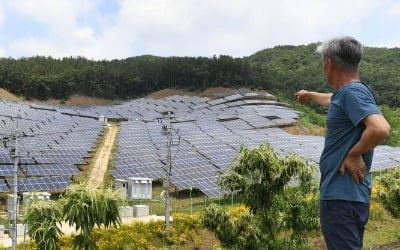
point(344, 78)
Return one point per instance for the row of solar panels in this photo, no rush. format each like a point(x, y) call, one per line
point(207, 135)
point(51, 145)
point(209, 142)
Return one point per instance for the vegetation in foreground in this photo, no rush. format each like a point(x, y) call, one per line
point(188, 233)
point(83, 207)
point(281, 194)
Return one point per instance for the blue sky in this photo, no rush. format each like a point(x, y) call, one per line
point(117, 29)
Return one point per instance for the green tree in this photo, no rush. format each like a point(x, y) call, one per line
point(86, 207)
point(43, 219)
point(281, 193)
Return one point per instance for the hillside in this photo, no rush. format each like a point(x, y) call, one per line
point(281, 70)
point(286, 69)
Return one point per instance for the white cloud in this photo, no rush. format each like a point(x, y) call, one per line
point(393, 11)
point(2, 52)
point(1, 15)
point(58, 17)
point(394, 42)
point(84, 34)
point(34, 47)
point(186, 27)
point(238, 28)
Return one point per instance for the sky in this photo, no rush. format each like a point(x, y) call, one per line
point(117, 29)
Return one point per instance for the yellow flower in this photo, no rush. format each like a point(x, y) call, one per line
point(236, 212)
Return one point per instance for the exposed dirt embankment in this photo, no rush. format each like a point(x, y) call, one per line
point(86, 101)
point(170, 92)
point(4, 94)
point(297, 129)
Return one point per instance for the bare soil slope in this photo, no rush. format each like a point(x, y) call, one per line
point(86, 101)
point(4, 94)
point(210, 92)
point(168, 92)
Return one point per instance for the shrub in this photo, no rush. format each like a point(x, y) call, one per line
point(389, 192)
point(44, 220)
point(281, 193)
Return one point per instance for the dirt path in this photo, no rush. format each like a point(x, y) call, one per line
point(101, 161)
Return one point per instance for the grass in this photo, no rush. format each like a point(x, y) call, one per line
point(181, 201)
point(382, 231)
point(378, 232)
point(108, 179)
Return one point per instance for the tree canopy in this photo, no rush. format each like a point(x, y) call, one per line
point(282, 69)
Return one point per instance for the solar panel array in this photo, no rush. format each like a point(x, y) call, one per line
point(211, 132)
point(52, 145)
point(57, 139)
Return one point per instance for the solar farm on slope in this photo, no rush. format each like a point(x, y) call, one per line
point(57, 140)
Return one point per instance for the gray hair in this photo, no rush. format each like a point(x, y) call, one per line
point(345, 52)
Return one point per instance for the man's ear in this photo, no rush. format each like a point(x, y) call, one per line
point(330, 63)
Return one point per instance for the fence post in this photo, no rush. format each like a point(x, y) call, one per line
point(191, 201)
point(175, 200)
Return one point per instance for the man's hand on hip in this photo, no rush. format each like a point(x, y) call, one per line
point(356, 166)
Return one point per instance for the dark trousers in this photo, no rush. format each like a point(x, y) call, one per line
point(343, 223)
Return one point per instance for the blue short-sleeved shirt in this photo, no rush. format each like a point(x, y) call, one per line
point(349, 106)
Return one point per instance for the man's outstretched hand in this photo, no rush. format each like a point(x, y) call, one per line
point(302, 96)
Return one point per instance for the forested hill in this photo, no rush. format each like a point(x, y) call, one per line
point(282, 69)
point(44, 77)
point(289, 68)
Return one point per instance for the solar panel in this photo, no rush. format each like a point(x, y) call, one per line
point(42, 183)
point(3, 186)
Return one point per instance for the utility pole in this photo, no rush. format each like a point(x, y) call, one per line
point(15, 189)
point(166, 130)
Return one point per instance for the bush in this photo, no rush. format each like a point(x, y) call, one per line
point(281, 193)
point(389, 192)
point(44, 221)
point(184, 229)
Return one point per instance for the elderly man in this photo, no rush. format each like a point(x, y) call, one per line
point(355, 126)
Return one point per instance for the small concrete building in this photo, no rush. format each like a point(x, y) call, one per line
point(139, 188)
